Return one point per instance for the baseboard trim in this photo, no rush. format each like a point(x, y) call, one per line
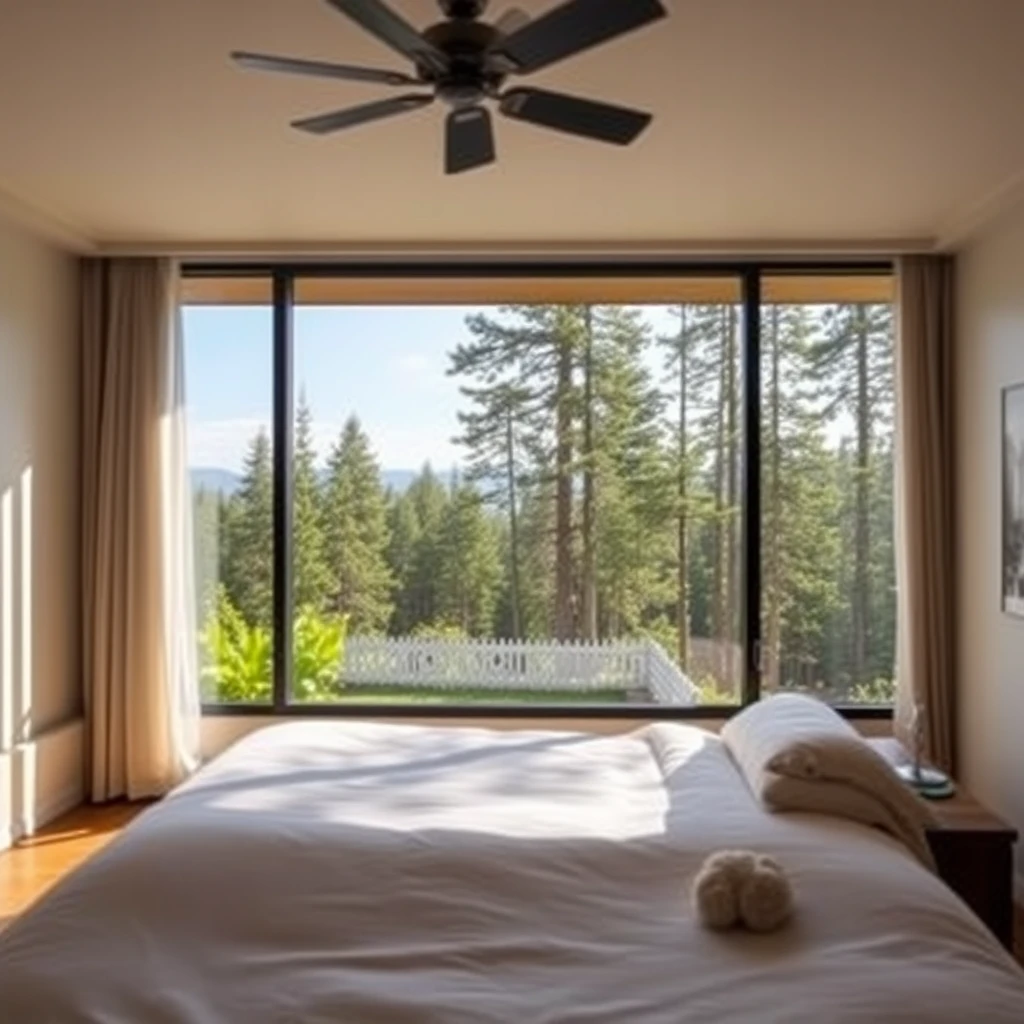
point(40, 780)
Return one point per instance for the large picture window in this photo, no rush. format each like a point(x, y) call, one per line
point(557, 493)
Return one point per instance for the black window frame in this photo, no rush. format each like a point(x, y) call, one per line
point(749, 276)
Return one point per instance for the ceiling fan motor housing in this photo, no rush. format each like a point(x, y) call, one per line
point(471, 74)
point(463, 8)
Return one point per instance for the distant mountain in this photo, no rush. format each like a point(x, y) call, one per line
point(213, 480)
point(227, 483)
point(398, 480)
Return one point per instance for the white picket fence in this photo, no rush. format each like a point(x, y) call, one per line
point(641, 667)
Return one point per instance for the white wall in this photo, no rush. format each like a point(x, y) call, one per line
point(40, 678)
point(990, 356)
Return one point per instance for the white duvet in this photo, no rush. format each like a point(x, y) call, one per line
point(329, 872)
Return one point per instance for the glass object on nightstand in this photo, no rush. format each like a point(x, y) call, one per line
point(929, 782)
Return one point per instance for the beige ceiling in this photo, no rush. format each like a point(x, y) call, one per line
point(777, 122)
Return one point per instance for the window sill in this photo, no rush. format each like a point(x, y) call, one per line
point(648, 712)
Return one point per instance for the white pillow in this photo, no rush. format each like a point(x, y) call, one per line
point(798, 754)
point(764, 736)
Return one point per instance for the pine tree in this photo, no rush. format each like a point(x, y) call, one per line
point(531, 352)
point(312, 578)
point(537, 535)
point(249, 572)
point(677, 363)
point(429, 498)
point(633, 487)
point(853, 363)
point(493, 437)
point(588, 460)
point(356, 533)
point(801, 505)
point(470, 572)
point(694, 362)
point(404, 538)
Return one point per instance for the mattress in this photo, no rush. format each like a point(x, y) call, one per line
point(328, 871)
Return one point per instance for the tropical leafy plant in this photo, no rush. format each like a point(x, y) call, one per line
point(238, 663)
point(236, 656)
point(318, 654)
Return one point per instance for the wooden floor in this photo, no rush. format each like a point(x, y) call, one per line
point(35, 864)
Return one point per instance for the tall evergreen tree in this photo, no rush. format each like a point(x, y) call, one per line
point(531, 352)
point(470, 573)
point(429, 498)
point(493, 436)
point(403, 541)
point(800, 508)
point(853, 363)
point(356, 533)
point(249, 573)
point(588, 461)
point(312, 578)
point(634, 497)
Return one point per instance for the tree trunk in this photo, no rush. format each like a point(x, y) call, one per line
point(718, 629)
point(862, 529)
point(513, 524)
point(563, 492)
point(732, 489)
point(773, 593)
point(682, 513)
point(588, 604)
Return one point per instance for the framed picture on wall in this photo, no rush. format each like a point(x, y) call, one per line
point(1013, 500)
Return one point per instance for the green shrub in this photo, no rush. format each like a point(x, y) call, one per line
point(318, 653)
point(238, 657)
point(877, 691)
point(237, 664)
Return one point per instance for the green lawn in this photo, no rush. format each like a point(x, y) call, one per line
point(425, 695)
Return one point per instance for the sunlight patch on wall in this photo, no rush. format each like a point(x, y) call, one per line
point(7, 619)
point(23, 705)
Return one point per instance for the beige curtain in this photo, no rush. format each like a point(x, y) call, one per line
point(138, 632)
point(924, 489)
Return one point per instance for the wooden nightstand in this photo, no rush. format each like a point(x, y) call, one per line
point(973, 849)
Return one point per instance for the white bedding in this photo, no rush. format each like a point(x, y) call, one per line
point(329, 872)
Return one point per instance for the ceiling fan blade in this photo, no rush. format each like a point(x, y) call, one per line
point(319, 69)
point(322, 124)
point(512, 21)
point(563, 113)
point(573, 27)
point(469, 140)
point(380, 20)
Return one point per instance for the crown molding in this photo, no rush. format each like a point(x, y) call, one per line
point(971, 218)
point(523, 251)
point(44, 224)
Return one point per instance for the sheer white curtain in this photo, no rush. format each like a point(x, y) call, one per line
point(180, 635)
point(139, 661)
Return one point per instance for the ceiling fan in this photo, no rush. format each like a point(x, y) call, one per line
point(465, 62)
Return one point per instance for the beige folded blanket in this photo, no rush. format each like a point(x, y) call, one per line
point(798, 754)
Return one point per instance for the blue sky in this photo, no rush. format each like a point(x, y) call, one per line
point(387, 364)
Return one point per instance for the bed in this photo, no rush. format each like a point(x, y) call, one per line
point(327, 871)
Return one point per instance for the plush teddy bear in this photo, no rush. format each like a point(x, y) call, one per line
point(742, 887)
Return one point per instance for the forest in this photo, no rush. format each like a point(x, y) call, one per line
point(599, 497)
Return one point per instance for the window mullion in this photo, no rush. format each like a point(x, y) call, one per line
point(752, 483)
point(283, 446)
